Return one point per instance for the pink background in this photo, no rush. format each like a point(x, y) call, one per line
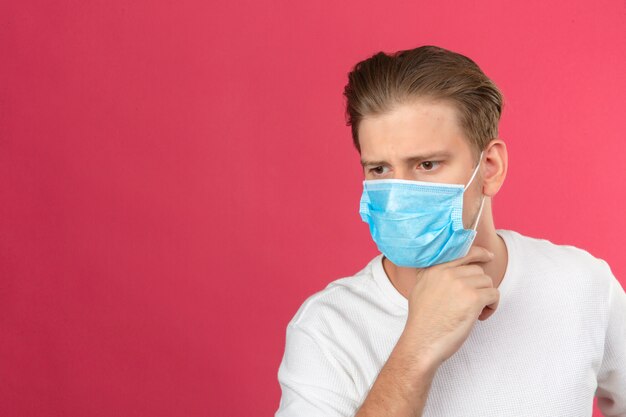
point(177, 177)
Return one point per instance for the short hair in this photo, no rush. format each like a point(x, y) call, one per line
point(379, 83)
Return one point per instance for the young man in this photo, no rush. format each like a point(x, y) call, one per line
point(454, 317)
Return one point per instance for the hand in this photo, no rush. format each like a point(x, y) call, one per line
point(446, 301)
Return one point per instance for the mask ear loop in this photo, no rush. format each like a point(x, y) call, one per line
point(475, 171)
point(482, 200)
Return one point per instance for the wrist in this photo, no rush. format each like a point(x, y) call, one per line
point(418, 359)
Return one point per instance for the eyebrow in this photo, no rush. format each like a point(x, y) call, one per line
point(412, 159)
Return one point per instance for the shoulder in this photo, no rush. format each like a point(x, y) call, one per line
point(337, 303)
point(574, 264)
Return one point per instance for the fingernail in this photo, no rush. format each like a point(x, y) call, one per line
point(491, 254)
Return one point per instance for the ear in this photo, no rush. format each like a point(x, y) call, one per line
point(495, 167)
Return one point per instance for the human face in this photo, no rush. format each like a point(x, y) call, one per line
point(420, 141)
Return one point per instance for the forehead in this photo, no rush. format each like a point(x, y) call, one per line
point(420, 126)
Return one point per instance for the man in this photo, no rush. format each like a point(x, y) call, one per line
point(454, 317)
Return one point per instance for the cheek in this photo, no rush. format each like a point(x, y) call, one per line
point(471, 204)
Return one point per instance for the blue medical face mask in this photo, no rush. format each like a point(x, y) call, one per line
point(415, 223)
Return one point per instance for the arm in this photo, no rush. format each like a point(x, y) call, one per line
point(313, 383)
point(444, 304)
point(611, 391)
point(402, 386)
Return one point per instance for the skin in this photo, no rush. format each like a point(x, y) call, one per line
point(421, 127)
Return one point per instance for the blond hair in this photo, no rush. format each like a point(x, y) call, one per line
point(379, 83)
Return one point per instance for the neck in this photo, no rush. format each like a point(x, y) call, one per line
point(404, 279)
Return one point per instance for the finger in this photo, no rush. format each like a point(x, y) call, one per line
point(475, 254)
point(468, 270)
point(478, 281)
point(486, 313)
point(489, 297)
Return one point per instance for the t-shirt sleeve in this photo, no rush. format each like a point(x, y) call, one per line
point(611, 390)
point(313, 383)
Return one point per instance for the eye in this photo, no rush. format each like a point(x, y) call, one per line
point(428, 165)
point(379, 170)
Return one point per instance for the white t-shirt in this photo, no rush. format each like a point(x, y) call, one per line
point(558, 334)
